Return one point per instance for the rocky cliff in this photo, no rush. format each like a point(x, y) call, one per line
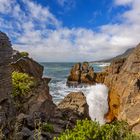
point(5, 71)
point(6, 107)
point(32, 115)
point(123, 81)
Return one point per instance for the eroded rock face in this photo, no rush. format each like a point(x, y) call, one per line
point(124, 84)
point(84, 74)
point(6, 107)
point(5, 71)
point(27, 65)
point(75, 101)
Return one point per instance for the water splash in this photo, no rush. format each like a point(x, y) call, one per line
point(97, 99)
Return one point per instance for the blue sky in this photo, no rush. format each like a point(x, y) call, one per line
point(71, 30)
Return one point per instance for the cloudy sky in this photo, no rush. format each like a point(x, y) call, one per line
point(71, 30)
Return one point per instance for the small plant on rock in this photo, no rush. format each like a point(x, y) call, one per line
point(22, 83)
point(24, 54)
point(47, 127)
point(89, 130)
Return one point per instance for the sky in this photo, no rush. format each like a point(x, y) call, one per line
point(71, 30)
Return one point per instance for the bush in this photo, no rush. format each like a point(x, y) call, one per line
point(24, 54)
point(89, 130)
point(47, 127)
point(22, 83)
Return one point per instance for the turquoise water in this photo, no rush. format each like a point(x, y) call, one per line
point(59, 72)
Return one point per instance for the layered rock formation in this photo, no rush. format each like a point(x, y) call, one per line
point(37, 107)
point(123, 81)
point(5, 71)
point(39, 94)
point(6, 106)
point(75, 101)
point(26, 65)
point(84, 74)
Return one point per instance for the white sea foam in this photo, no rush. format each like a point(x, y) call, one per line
point(97, 99)
point(96, 96)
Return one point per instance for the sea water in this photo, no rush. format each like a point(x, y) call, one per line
point(58, 72)
point(96, 95)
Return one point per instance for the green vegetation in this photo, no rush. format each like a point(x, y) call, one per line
point(47, 127)
point(22, 84)
point(89, 130)
point(24, 54)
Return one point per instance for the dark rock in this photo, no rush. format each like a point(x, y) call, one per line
point(29, 66)
point(5, 70)
point(7, 110)
point(26, 132)
point(75, 101)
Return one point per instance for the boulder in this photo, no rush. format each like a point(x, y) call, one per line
point(75, 101)
point(123, 81)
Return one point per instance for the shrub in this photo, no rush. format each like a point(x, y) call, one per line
point(47, 127)
point(24, 54)
point(22, 83)
point(89, 130)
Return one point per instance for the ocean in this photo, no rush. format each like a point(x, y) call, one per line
point(59, 72)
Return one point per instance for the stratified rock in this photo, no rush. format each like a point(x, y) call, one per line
point(100, 77)
point(75, 101)
point(81, 74)
point(84, 74)
point(123, 81)
point(85, 67)
point(38, 98)
point(6, 107)
point(27, 65)
point(5, 71)
point(75, 73)
point(15, 55)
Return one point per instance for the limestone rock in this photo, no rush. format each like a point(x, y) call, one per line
point(84, 74)
point(75, 101)
point(75, 73)
point(123, 81)
point(81, 74)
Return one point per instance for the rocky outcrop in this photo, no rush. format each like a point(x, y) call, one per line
point(5, 71)
point(84, 74)
point(75, 101)
point(6, 107)
point(39, 94)
point(26, 65)
point(123, 81)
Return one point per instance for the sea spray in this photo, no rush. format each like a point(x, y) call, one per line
point(97, 99)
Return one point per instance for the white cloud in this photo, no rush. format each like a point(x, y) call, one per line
point(123, 2)
point(31, 32)
point(67, 4)
point(5, 5)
